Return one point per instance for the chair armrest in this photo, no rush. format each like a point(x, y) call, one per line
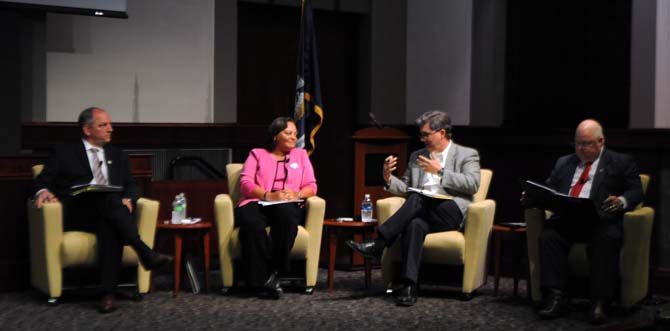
point(478, 226)
point(147, 217)
point(224, 217)
point(634, 259)
point(225, 223)
point(45, 228)
point(637, 226)
point(477, 231)
point(316, 211)
point(387, 207)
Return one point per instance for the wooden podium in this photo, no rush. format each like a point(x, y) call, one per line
point(371, 147)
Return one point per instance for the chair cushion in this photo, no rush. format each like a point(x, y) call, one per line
point(447, 247)
point(80, 249)
point(299, 250)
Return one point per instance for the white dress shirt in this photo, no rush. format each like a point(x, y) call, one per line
point(101, 158)
point(432, 182)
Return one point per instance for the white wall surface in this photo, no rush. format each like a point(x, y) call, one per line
point(155, 66)
point(439, 44)
point(662, 108)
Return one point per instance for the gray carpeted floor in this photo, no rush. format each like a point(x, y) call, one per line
point(349, 307)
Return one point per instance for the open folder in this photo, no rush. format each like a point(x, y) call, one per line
point(430, 194)
point(85, 188)
point(573, 208)
point(272, 203)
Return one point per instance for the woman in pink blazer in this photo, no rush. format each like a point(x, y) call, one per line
point(279, 172)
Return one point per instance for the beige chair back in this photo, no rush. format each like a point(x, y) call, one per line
point(644, 179)
point(484, 182)
point(37, 169)
point(233, 171)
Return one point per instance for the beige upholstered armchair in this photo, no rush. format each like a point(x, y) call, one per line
point(307, 243)
point(52, 249)
point(467, 249)
point(634, 259)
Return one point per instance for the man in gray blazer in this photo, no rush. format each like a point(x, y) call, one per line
point(442, 167)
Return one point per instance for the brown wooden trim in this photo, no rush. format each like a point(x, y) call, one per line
point(43, 136)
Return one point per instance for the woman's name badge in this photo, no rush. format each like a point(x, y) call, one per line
point(294, 165)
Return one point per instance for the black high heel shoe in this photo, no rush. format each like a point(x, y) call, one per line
point(273, 286)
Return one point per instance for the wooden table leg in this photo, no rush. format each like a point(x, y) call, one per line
point(368, 265)
point(206, 247)
point(368, 273)
point(518, 266)
point(332, 243)
point(496, 258)
point(177, 262)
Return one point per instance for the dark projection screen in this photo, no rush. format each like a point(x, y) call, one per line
point(103, 8)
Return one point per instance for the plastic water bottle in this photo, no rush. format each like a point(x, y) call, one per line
point(178, 208)
point(183, 206)
point(366, 209)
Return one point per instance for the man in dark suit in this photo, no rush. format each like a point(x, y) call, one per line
point(612, 181)
point(93, 161)
point(442, 167)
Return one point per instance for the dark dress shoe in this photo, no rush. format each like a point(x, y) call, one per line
point(406, 296)
point(372, 248)
point(555, 306)
point(273, 286)
point(156, 261)
point(597, 313)
point(107, 304)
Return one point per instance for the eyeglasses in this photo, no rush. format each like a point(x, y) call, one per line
point(584, 144)
point(424, 135)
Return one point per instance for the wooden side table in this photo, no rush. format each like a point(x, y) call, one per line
point(498, 231)
point(179, 231)
point(333, 227)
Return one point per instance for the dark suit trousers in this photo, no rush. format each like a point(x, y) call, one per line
point(603, 250)
point(262, 254)
point(416, 218)
point(114, 226)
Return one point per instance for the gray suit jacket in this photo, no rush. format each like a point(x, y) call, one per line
point(460, 179)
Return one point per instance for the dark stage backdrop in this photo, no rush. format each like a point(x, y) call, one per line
point(566, 61)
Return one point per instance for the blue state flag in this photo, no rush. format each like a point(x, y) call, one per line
point(308, 111)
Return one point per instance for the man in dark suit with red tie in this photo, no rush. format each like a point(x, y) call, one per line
point(612, 181)
point(92, 160)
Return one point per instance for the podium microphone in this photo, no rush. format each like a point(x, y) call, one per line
point(374, 120)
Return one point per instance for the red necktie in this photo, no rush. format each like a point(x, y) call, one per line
point(581, 181)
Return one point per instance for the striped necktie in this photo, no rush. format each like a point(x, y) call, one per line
point(97, 168)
